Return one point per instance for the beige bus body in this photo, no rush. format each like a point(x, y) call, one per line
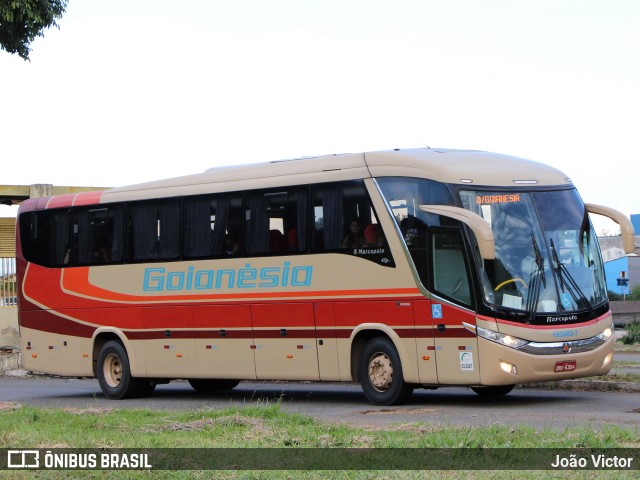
point(349, 302)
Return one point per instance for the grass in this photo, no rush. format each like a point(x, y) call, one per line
point(617, 377)
point(266, 426)
point(632, 335)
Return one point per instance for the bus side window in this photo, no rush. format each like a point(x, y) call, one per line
point(210, 226)
point(332, 215)
point(154, 230)
point(98, 235)
point(345, 222)
point(276, 221)
point(45, 237)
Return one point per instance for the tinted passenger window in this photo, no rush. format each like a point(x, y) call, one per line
point(345, 222)
point(153, 230)
point(98, 235)
point(276, 221)
point(212, 226)
point(45, 237)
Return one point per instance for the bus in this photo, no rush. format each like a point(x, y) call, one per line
point(402, 269)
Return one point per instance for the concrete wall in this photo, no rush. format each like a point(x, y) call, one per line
point(9, 327)
point(10, 362)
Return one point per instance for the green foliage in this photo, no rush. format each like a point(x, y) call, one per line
point(266, 426)
point(635, 293)
point(21, 21)
point(613, 296)
point(633, 334)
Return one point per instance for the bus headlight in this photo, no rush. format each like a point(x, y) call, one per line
point(506, 340)
point(606, 334)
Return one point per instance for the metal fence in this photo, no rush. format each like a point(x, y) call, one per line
point(8, 292)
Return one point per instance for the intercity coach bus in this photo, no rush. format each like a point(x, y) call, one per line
point(399, 270)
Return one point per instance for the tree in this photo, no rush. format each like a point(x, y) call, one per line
point(635, 293)
point(21, 21)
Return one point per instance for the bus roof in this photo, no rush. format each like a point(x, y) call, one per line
point(451, 166)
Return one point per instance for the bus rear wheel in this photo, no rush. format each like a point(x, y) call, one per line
point(203, 385)
point(381, 373)
point(496, 391)
point(114, 372)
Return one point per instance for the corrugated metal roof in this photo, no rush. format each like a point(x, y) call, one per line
point(7, 237)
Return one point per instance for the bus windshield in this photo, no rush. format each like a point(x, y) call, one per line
point(547, 256)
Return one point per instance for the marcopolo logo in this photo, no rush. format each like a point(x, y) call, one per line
point(159, 279)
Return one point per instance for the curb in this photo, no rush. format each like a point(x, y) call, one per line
point(591, 385)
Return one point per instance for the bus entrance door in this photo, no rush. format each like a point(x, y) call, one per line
point(456, 348)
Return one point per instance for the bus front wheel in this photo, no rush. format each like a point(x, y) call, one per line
point(114, 372)
point(381, 373)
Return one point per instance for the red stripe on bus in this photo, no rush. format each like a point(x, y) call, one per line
point(59, 201)
point(88, 198)
point(45, 321)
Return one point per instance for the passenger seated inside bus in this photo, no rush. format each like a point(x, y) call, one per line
point(372, 236)
point(354, 238)
point(292, 239)
point(277, 242)
point(231, 246)
point(101, 255)
point(414, 231)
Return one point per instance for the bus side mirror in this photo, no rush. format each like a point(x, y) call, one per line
point(626, 227)
point(478, 225)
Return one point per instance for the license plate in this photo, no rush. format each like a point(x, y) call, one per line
point(568, 366)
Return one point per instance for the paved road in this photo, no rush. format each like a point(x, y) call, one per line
point(345, 403)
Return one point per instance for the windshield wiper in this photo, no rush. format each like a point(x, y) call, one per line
point(571, 285)
point(535, 278)
point(539, 260)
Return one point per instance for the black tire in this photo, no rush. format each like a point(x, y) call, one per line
point(496, 391)
point(205, 385)
point(114, 372)
point(381, 373)
point(146, 388)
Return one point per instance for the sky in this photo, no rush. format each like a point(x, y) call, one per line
point(128, 91)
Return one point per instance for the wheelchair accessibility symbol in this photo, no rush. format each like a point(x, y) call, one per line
point(436, 310)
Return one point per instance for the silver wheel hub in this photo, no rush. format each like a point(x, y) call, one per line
point(380, 372)
point(112, 370)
